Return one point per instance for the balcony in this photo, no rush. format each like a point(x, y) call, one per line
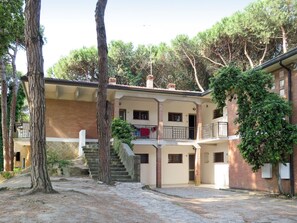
point(169, 132)
point(22, 130)
point(215, 130)
point(179, 132)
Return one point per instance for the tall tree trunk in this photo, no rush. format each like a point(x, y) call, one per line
point(285, 40)
point(15, 86)
point(193, 64)
point(6, 154)
point(103, 124)
point(248, 56)
point(40, 181)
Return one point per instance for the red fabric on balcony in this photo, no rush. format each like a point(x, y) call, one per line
point(144, 132)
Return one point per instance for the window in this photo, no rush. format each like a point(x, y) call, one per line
point(282, 92)
point(175, 117)
point(140, 115)
point(218, 157)
point(122, 114)
point(217, 113)
point(144, 158)
point(273, 83)
point(281, 84)
point(17, 156)
point(175, 158)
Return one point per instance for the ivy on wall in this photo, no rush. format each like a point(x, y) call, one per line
point(266, 135)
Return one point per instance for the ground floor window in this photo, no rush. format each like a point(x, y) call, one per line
point(144, 158)
point(218, 157)
point(175, 158)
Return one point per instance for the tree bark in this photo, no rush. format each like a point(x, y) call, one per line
point(6, 154)
point(284, 38)
point(193, 64)
point(15, 86)
point(248, 56)
point(40, 181)
point(103, 123)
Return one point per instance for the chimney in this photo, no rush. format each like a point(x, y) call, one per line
point(171, 86)
point(112, 80)
point(150, 81)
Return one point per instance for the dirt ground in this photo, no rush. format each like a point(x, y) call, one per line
point(84, 200)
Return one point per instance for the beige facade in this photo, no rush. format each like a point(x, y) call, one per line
point(172, 127)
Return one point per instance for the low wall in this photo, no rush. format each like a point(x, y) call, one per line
point(130, 160)
point(66, 150)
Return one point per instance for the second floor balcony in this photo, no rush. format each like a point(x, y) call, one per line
point(208, 131)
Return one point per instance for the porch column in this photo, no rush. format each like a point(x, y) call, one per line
point(197, 167)
point(199, 121)
point(160, 121)
point(116, 108)
point(158, 166)
point(158, 148)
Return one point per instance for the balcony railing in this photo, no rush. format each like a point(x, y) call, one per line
point(22, 130)
point(215, 130)
point(179, 132)
point(169, 132)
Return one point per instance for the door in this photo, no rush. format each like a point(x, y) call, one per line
point(192, 127)
point(191, 167)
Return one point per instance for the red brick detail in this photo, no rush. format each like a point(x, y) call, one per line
point(160, 121)
point(241, 175)
point(65, 118)
point(232, 114)
point(199, 121)
point(197, 167)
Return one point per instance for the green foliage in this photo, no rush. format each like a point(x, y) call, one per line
point(7, 174)
point(11, 24)
point(116, 144)
point(81, 64)
point(122, 130)
point(266, 135)
point(54, 158)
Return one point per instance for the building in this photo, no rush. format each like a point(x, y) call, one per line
point(180, 135)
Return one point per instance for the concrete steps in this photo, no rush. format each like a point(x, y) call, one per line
point(118, 170)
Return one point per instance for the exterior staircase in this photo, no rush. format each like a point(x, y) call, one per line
point(118, 170)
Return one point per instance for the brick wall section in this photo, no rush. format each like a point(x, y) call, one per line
point(232, 113)
point(241, 174)
point(64, 118)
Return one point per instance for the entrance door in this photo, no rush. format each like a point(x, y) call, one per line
point(191, 167)
point(192, 126)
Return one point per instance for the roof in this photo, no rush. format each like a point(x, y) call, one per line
point(91, 87)
point(275, 63)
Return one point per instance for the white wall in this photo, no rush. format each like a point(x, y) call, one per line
point(207, 114)
point(214, 173)
point(172, 173)
point(176, 173)
point(143, 105)
point(185, 108)
point(147, 170)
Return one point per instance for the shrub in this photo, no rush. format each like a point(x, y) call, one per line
point(53, 158)
point(7, 174)
point(122, 130)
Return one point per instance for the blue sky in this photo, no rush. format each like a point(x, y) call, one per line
point(70, 24)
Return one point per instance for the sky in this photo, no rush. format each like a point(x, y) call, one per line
point(70, 24)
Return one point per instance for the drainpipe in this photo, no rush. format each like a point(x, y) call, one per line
point(292, 180)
